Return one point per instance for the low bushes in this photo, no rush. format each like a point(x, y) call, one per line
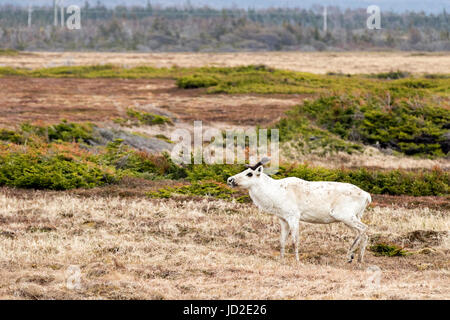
point(65, 166)
point(392, 75)
point(64, 131)
point(62, 165)
point(147, 118)
point(393, 182)
point(46, 168)
point(217, 172)
point(382, 249)
point(67, 161)
point(411, 128)
point(308, 138)
point(136, 118)
point(201, 188)
point(12, 136)
point(196, 81)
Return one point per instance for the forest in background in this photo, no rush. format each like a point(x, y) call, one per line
point(203, 29)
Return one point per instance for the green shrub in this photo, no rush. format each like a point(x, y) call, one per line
point(11, 136)
point(413, 129)
point(37, 135)
point(56, 172)
point(381, 249)
point(206, 180)
point(62, 165)
point(392, 75)
point(106, 70)
point(148, 118)
point(64, 131)
point(95, 71)
point(8, 71)
point(393, 182)
point(217, 172)
point(70, 132)
point(196, 81)
point(418, 84)
point(308, 138)
point(437, 76)
point(201, 188)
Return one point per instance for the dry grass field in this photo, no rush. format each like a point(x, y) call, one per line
point(136, 248)
point(314, 62)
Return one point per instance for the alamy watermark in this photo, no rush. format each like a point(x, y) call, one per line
point(69, 18)
point(373, 22)
point(73, 12)
point(373, 277)
point(73, 277)
point(214, 146)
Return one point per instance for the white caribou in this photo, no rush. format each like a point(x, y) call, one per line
point(293, 200)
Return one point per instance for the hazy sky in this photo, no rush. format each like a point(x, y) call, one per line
point(396, 5)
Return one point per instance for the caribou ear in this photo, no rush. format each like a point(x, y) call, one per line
point(259, 170)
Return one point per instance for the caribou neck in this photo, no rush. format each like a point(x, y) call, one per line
point(262, 186)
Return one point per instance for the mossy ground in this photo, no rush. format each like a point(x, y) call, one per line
point(389, 250)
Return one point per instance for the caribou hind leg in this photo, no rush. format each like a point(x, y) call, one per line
point(360, 240)
point(350, 215)
point(351, 250)
point(362, 247)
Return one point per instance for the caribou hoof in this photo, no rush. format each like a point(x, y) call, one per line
point(351, 258)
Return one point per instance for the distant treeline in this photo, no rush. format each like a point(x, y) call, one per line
point(152, 28)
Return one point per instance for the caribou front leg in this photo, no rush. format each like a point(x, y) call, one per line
point(294, 227)
point(283, 236)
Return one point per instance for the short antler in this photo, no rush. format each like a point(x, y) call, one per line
point(260, 163)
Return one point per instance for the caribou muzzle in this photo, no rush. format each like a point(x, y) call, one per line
point(231, 182)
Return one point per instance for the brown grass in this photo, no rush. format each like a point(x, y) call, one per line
point(101, 100)
point(315, 62)
point(136, 248)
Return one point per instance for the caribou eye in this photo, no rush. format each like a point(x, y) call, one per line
point(249, 174)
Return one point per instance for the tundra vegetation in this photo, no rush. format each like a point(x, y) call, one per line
point(189, 210)
point(397, 111)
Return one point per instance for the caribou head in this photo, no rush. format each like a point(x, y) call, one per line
point(249, 176)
